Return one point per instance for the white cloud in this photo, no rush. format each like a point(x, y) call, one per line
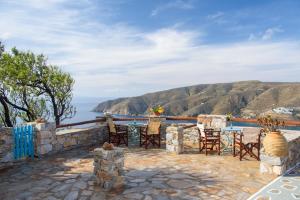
point(115, 59)
point(252, 37)
point(178, 4)
point(270, 32)
point(217, 17)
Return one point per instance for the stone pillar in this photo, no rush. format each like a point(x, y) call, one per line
point(45, 138)
point(108, 168)
point(272, 165)
point(174, 139)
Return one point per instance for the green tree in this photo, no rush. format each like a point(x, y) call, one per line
point(5, 111)
point(34, 88)
point(57, 87)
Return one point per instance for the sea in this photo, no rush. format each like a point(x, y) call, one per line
point(84, 109)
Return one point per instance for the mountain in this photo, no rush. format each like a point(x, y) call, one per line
point(245, 98)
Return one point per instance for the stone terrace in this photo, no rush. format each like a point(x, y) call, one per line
point(149, 174)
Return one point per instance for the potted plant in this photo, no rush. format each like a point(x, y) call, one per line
point(274, 143)
point(229, 118)
point(157, 110)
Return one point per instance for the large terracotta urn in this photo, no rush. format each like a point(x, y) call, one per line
point(275, 144)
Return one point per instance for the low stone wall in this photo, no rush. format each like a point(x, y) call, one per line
point(279, 165)
point(191, 137)
point(91, 136)
point(6, 147)
point(48, 141)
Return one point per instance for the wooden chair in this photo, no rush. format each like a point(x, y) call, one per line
point(150, 134)
point(243, 146)
point(209, 139)
point(117, 134)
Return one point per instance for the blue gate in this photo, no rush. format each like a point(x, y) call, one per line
point(24, 146)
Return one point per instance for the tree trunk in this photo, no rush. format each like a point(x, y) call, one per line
point(7, 120)
point(55, 108)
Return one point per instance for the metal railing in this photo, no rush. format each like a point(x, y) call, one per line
point(168, 118)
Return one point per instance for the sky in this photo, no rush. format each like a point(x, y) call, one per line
point(118, 48)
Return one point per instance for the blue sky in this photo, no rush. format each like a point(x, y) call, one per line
point(126, 48)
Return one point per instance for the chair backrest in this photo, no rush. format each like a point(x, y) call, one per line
point(209, 132)
point(111, 125)
point(201, 129)
point(251, 135)
point(153, 127)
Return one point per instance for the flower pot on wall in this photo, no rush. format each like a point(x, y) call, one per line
point(275, 144)
point(157, 113)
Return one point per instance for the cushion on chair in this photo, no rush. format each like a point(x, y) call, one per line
point(111, 125)
point(153, 128)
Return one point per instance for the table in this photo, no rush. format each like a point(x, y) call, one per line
point(227, 139)
point(134, 132)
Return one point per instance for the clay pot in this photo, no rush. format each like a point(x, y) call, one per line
point(108, 146)
point(157, 113)
point(275, 144)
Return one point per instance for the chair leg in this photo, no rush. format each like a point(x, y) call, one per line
point(140, 139)
point(206, 147)
point(234, 145)
point(219, 148)
point(258, 150)
point(146, 142)
point(159, 140)
point(118, 140)
point(200, 144)
point(241, 147)
point(241, 151)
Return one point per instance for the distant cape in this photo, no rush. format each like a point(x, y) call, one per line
point(246, 99)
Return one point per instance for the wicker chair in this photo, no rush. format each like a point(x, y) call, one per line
point(150, 134)
point(117, 134)
point(243, 146)
point(209, 139)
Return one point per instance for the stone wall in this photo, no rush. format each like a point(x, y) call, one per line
point(279, 165)
point(212, 121)
point(191, 137)
point(6, 147)
point(48, 141)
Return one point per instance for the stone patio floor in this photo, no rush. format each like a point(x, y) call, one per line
point(149, 174)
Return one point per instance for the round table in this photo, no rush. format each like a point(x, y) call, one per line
point(134, 132)
point(227, 139)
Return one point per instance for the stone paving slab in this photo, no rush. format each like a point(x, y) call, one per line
point(149, 175)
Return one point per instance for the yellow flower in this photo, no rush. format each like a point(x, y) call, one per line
point(161, 109)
